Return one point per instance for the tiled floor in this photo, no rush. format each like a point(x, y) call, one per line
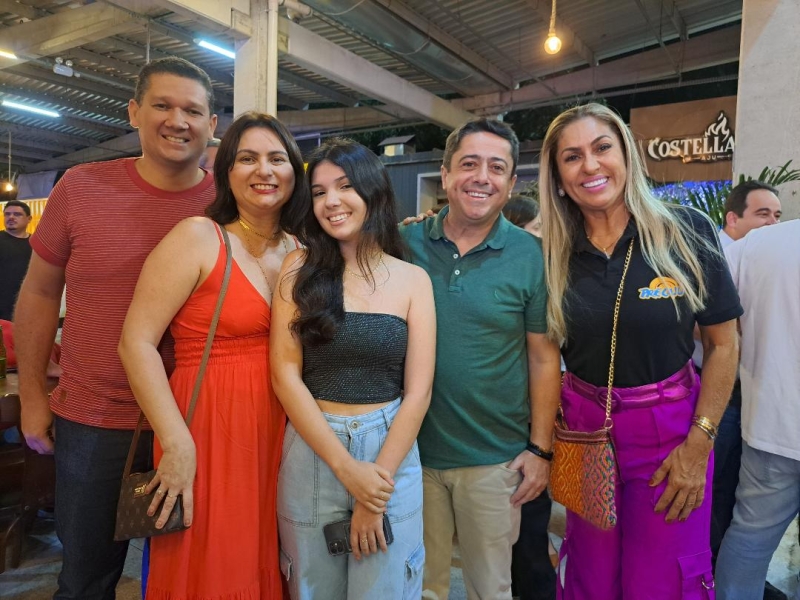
point(36, 577)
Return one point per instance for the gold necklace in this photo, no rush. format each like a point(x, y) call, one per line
point(612, 245)
point(361, 275)
point(250, 229)
point(256, 256)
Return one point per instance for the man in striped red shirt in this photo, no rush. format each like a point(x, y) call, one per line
point(101, 222)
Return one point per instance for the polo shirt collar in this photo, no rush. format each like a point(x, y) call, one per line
point(495, 240)
point(581, 243)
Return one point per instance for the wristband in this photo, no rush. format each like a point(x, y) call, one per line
point(539, 451)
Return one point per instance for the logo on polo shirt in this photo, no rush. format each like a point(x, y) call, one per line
point(661, 287)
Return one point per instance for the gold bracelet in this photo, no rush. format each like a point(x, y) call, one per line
point(707, 426)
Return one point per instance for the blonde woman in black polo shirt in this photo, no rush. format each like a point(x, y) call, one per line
point(598, 215)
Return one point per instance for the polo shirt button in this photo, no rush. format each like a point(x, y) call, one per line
point(455, 255)
point(457, 272)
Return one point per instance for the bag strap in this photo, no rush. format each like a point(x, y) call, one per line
point(206, 353)
point(608, 423)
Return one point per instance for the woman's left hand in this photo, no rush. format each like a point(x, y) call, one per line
point(685, 470)
point(366, 532)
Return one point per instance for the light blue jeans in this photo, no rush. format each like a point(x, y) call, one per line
point(310, 496)
point(767, 499)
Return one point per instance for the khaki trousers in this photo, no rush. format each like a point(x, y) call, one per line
point(475, 504)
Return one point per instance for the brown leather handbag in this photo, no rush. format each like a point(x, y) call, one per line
point(132, 518)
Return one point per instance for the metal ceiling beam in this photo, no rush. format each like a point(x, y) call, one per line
point(315, 53)
point(105, 61)
point(568, 36)
point(27, 154)
point(716, 48)
point(50, 147)
point(125, 145)
point(317, 88)
point(57, 33)
point(654, 30)
point(77, 83)
point(671, 8)
point(70, 121)
point(455, 46)
point(333, 119)
point(45, 134)
point(59, 101)
point(291, 102)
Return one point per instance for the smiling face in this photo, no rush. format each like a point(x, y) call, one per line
point(262, 178)
point(479, 180)
point(762, 207)
point(341, 212)
point(173, 120)
point(591, 166)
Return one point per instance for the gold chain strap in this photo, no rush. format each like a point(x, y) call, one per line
point(608, 423)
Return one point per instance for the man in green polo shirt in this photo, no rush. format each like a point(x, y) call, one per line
point(495, 367)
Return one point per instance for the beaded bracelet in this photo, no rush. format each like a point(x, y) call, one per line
point(539, 451)
point(707, 426)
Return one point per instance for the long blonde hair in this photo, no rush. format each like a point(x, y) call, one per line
point(667, 241)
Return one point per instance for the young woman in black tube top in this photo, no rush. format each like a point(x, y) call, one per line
point(352, 354)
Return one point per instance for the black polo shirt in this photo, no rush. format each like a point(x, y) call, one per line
point(652, 342)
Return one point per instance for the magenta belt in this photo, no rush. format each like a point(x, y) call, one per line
point(675, 387)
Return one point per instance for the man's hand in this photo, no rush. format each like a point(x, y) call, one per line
point(535, 476)
point(418, 218)
point(37, 423)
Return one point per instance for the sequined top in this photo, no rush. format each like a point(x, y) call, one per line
point(364, 363)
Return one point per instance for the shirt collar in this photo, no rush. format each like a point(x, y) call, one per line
point(496, 239)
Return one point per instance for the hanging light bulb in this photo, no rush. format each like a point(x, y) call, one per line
point(552, 44)
point(9, 186)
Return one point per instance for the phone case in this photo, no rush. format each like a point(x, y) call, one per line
point(337, 536)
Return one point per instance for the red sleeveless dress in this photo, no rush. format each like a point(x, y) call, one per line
point(231, 550)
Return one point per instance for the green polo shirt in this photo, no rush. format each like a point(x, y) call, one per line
point(486, 301)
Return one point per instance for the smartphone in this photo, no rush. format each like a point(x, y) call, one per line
point(337, 536)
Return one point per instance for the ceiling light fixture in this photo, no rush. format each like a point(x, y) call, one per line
point(33, 109)
point(63, 67)
point(215, 48)
point(552, 45)
point(6, 54)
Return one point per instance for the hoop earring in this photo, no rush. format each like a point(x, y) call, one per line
point(561, 192)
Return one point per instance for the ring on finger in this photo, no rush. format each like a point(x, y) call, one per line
point(172, 496)
point(160, 492)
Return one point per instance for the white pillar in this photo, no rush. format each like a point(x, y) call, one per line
point(255, 84)
point(768, 110)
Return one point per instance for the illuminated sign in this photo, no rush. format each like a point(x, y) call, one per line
point(715, 144)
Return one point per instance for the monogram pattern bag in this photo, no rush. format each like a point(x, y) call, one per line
point(584, 474)
point(132, 518)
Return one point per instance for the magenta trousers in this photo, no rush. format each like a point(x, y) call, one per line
point(643, 557)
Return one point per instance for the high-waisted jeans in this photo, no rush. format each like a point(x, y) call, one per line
point(643, 557)
point(310, 496)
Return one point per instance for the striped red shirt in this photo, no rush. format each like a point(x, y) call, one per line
point(101, 222)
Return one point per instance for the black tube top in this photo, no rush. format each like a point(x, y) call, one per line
point(364, 363)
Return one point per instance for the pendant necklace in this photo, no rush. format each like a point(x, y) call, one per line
point(361, 275)
point(250, 250)
point(604, 249)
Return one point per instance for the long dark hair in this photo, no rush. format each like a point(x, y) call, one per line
point(318, 289)
point(223, 209)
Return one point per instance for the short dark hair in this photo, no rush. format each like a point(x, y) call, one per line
point(172, 65)
point(737, 199)
point(481, 125)
point(223, 209)
point(318, 287)
point(521, 210)
point(22, 205)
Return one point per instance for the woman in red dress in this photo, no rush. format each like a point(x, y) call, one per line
point(225, 465)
